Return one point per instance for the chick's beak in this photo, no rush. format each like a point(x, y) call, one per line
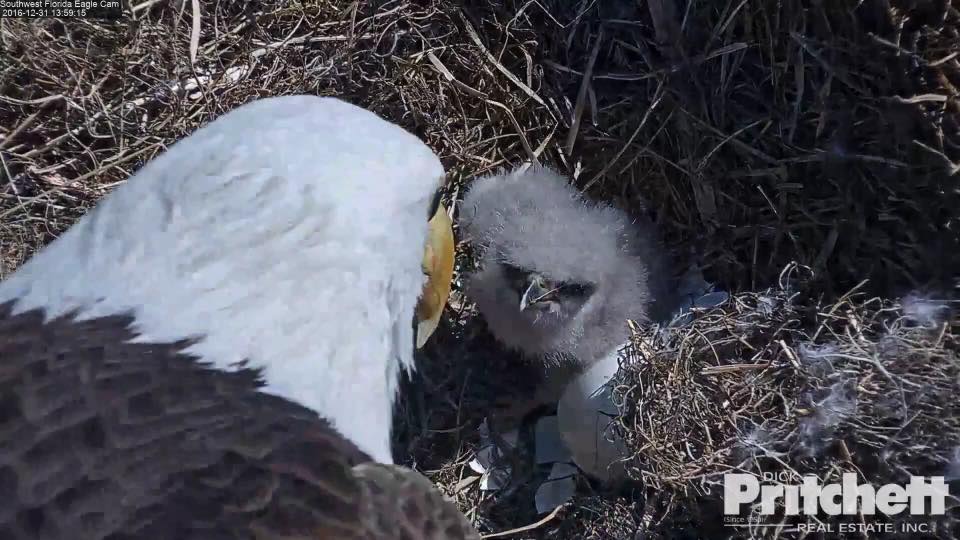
point(438, 259)
point(537, 291)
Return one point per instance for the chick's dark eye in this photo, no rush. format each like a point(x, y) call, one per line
point(434, 204)
point(516, 277)
point(577, 289)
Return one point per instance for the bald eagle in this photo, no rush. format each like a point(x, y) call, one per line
point(213, 351)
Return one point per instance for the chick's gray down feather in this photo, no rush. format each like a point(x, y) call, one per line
point(536, 221)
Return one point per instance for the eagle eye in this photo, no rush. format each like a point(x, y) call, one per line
point(578, 290)
point(517, 278)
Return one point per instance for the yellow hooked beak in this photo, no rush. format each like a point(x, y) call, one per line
point(438, 266)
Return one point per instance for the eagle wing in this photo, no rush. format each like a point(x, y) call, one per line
point(104, 438)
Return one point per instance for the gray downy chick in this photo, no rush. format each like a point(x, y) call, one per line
point(559, 275)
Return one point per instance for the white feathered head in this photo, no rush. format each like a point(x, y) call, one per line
point(287, 235)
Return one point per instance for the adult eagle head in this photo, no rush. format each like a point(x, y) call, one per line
point(213, 351)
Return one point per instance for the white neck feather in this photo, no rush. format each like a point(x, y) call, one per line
point(289, 238)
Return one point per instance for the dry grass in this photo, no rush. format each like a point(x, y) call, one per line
point(760, 133)
point(774, 382)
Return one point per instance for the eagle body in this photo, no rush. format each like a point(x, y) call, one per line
point(213, 351)
point(104, 437)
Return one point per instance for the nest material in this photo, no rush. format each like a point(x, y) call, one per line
point(775, 383)
point(821, 132)
point(759, 132)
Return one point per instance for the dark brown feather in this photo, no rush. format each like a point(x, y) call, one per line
point(105, 439)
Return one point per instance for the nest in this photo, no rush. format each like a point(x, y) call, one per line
point(773, 383)
point(825, 133)
point(758, 133)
